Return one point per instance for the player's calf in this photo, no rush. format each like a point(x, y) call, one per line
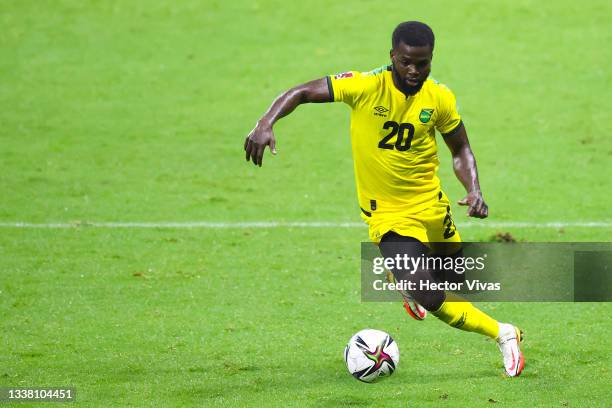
point(417, 301)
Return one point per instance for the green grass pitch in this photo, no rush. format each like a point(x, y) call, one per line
point(136, 112)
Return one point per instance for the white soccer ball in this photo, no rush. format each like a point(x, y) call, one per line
point(370, 355)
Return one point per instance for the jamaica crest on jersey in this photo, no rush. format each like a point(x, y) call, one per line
point(425, 115)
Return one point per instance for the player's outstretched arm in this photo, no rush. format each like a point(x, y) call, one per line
point(464, 165)
point(262, 135)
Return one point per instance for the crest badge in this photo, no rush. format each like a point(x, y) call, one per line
point(425, 115)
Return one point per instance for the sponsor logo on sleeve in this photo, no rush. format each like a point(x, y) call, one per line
point(343, 75)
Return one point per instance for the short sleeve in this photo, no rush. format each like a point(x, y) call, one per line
point(448, 117)
point(346, 87)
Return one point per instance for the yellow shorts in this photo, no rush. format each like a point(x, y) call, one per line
point(432, 225)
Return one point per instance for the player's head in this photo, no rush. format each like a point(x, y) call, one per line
point(411, 53)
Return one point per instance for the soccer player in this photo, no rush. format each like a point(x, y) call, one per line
point(395, 112)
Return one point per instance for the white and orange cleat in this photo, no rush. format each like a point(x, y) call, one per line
point(415, 310)
point(508, 342)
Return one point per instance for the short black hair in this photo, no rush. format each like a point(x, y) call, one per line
point(414, 34)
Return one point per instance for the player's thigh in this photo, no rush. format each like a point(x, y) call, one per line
point(381, 224)
point(442, 234)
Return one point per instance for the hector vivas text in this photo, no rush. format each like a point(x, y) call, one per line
point(411, 264)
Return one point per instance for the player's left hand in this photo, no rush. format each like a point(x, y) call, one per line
point(477, 206)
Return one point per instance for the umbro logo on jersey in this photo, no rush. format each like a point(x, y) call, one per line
point(381, 111)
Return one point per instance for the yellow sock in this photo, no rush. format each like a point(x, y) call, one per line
point(463, 315)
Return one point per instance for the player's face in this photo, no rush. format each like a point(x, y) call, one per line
point(411, 67)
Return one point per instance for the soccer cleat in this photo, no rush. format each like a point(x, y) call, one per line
point(415, 310)
point(508, 343)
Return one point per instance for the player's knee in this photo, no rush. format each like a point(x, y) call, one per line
point(431, 300)
point(441, 274)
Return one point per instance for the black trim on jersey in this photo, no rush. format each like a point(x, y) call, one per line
point(330, 88)
point(389, 68)
point(455, 130)
point(367, 213)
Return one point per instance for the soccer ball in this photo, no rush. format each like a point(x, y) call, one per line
point(371, 354)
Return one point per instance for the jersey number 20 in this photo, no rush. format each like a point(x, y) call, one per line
point(398, 129)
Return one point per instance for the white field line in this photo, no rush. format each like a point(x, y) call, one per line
point(290, 224)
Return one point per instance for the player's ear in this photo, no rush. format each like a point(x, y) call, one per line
point(391, 53)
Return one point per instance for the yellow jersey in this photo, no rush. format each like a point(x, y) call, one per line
point(393, 139)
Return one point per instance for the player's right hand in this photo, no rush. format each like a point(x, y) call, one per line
point(477, 206)
point(256, 142)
